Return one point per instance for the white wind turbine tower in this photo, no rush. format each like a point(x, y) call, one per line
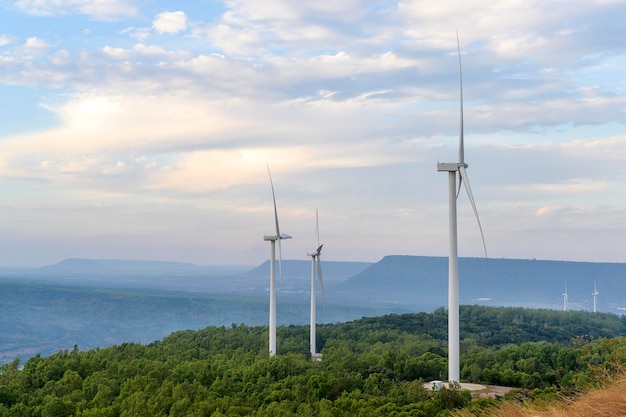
point(565, 300)
point(595, 298)
point(453, 260)
point(272, 239)
point(316, 264)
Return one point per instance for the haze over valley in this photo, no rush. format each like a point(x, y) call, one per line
point(96, 303)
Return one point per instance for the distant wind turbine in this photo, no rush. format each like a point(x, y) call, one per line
point(316, 264)
point(272, 239)
point(453, 260)
point(595, 298)
point(565, 300)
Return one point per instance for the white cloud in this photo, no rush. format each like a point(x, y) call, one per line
point(95, 129)
point(351, 103)
point(252, 28)
point(140, 34)
point(598, 149)
point(140, 51)
point(573, 186)
point(97, 9)
point(34, 43)
point(5, 40)
point(118, 53)
point(32, 48)
point(170, 22)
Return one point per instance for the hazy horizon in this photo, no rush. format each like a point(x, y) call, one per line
point(252, 266)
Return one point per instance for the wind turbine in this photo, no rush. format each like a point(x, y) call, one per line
point(565, 300)
point(453, 260)
point(595, 298)
point(316, 264)
point(272, 239)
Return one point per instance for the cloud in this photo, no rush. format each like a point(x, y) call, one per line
point(573, 186)
point(141, 51)
point(351, 103)
point(170, 22)
point(33, 47)
point(98, 9)
point(607, 149)
point(5, 40)
point(248, 28)
point(193, 144)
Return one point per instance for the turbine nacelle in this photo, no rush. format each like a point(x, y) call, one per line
point(317, 252)
point(450, 166)
point(270, 238)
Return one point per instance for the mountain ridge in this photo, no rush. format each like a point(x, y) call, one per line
point(501, 281)
point(412, 283)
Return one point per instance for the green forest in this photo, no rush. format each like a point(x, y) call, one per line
point(371, 367)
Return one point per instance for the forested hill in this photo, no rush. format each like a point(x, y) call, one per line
point(489, 326)
point(370, 367)
point(423, 281)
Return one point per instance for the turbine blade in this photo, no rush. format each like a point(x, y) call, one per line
point(464, 179)
point(274, 199)
point(461, 145)
point(317, 229)
point(319, 275)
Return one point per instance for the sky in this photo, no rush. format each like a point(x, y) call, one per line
point(136, 129)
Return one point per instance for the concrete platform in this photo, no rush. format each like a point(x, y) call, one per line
point(478, 389)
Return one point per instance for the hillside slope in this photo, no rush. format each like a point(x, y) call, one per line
point(608, 401)
point(368, 369)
